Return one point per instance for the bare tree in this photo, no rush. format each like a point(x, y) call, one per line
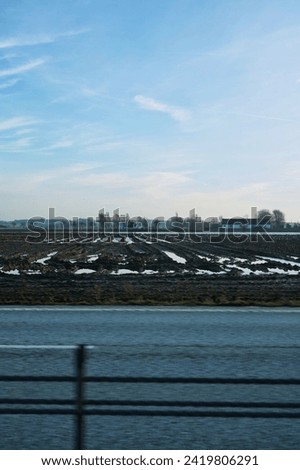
point(278, 218)
point(263, 213)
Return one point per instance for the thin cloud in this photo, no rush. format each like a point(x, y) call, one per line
point(145, 183)
point(167, 178)
point(176, 113)
point(62, 144)
point(83, 167)
point(15, 123)
point(8, 56)
point(108, 180)
point(22, 68)
point(39, 39)
point(21, 145)
point(24, 131)
point(9, 83)
point(265, 117)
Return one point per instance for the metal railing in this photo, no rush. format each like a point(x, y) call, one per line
point(80, 407)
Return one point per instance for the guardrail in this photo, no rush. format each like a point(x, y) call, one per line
point(80, 407)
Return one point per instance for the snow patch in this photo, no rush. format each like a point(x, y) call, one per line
point(204, 257)
point(124, 271)
point(149, 271)
point(15, 272)
point(259, 261)
point(43, 260)
point(85, 271)
point(279, 260)
point(246, 271)
point(162, 240)
point(282, 271)
point(204, 271)
point(175, 257)
point(92, 258)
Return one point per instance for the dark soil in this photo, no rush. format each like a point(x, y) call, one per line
point(204, 278)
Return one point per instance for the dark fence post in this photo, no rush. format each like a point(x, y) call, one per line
point(80, 356)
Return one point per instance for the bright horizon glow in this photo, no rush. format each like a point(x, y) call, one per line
point(150, 107)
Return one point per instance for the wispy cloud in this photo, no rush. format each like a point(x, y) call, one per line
point(20, 41)
point(16, 146)
point(9, 83)
point(62, 144)
point(8, 56)
point(176, 113)
point(101, 94)
point(265, 117)
point(167, 178)
point(15, 123)
point(90, 92)
point(62, 175)
point(22, 68)
point(144, 183)
point(108, 180)
point(160, 184)
point(83, 167)
point(24, 131)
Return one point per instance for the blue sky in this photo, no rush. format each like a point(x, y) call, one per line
point(150, 106)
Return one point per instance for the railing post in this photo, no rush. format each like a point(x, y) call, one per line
point(80, 357)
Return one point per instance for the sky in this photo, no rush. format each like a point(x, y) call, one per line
point(151, 107)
